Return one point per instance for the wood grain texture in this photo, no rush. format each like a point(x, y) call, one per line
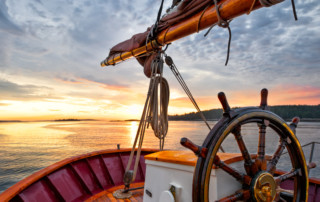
point(107, 195)
point(189, 158)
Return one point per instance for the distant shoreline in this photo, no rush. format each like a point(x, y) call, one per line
point(133, 120)
point(56, 120)
point(75, 120)
point(309, 113)
point(10, 121)
point(288, 120)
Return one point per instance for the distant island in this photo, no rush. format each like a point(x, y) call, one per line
point(287, 112)
point(9, 121)
point(13, 121)
point(75, 120)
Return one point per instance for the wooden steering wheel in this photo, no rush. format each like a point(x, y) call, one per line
point(259, 180)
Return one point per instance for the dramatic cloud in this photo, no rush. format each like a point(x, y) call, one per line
point(13, 91)
point(52, 49)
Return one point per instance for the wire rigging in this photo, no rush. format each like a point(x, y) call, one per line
point(184, 86)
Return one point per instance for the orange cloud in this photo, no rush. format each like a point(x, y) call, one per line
point(69, 81)
point(278, 95)
point(4, 104)
point(87, 81)
point(204, 103)
point(295, 94)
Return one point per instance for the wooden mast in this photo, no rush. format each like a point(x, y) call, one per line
point(229, 9)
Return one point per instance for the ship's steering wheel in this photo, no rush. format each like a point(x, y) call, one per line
point(259, 180)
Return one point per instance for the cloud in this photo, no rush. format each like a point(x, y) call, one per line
point(101, 84)
point(267, 45)
point(61, 43)
point(5, 24)
point(54, 110)
point(13, 91)
point(4, 104)
point(297, 94)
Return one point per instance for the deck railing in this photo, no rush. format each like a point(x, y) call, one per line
point(311, 151)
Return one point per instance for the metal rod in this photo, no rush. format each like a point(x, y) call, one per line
point(132, 189)
point(310, 143)
point(311, 153)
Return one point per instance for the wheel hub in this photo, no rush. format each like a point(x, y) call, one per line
point(264, 187)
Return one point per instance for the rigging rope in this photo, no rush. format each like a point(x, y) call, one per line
point(150, 115)
point(159, 120)
point(267, 3)
point(224, 24)
point(178, 76)
point(153, 31)
point(184, 86)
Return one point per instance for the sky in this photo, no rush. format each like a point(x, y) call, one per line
point(50, 54)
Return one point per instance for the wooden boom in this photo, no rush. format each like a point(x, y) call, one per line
point(228, 9)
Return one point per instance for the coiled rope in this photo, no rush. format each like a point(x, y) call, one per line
point(159, 114)
point(155, 112)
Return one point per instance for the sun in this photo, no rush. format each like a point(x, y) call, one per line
point(133, 111)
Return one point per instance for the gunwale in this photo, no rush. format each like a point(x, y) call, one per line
point(22, 185)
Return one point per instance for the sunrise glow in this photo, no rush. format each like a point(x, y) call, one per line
point(50, 61)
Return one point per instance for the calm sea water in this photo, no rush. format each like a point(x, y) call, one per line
point(27, 147)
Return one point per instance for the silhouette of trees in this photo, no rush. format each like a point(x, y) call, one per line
point(287, 112)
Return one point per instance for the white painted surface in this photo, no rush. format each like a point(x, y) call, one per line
point(160, 176)
point(166, 196)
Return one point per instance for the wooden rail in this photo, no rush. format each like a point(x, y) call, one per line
point(76, 178)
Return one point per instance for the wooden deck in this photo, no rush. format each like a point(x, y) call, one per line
point(107, 195)
point(95, 176)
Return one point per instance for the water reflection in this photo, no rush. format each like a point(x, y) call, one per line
point(28, 147)
point(133, 131)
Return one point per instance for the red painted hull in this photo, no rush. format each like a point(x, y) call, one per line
point(77, 178)
point(314, 187)
point(85, 176)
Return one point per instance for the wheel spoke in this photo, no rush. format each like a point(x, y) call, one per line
point(248, 164)
point(284, 195)
point(261, 161)
point(239, 195)
point(283, 177)
point(246, 179)
point(276, 156)
point(288, 191)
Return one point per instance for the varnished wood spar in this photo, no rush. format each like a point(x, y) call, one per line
point(229, 9)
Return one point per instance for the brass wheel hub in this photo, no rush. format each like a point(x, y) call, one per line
point(264, 187)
